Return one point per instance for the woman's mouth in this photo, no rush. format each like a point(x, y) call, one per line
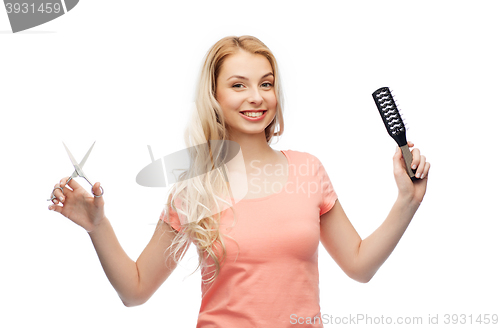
point(254, 116)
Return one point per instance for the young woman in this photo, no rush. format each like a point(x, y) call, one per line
point(258, 255)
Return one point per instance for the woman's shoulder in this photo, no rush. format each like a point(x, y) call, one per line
point(301, 155)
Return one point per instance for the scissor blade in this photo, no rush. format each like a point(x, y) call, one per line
point(75, 164)
point(82, 163)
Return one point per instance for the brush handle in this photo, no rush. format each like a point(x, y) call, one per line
point(408, 157)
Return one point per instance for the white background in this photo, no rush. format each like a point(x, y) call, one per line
point(123, 73)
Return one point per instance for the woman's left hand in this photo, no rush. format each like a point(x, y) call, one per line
point(414, 191)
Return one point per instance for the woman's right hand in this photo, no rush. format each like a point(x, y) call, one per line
point(78, 205)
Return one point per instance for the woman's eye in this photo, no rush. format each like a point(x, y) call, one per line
point(265, 85)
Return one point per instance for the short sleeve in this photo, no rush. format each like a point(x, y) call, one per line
point(328, 194)
point(173, 217)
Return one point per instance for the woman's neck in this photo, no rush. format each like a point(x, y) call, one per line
point(255, 149)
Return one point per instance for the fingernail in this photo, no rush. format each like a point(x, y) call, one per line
point(414, 166)
point(50, 207)
point(417, 175)
point(61, 198)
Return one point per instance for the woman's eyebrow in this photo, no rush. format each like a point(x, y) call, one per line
point(244, 78)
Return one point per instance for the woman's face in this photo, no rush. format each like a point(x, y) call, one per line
point(245, 83)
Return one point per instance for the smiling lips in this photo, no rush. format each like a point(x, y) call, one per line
point(253, 115)
point(253, 111)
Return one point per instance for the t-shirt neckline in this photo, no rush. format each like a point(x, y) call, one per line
point(277, 193)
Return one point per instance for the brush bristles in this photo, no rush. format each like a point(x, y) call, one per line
point(389, 111)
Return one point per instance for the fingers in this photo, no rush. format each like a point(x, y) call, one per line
point(420, 167)
point(60, 194)
point(416, 158)
point(98, 191)
point(57, 192)
point(72, 183)
point(425, 174)
point(419, 163)
point(423, 168)
point(415, 161)
point(56, 208)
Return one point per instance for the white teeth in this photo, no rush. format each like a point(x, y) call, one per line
point(250, 114)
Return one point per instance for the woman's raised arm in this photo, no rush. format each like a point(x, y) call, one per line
point(360, 259)
point(135, 282)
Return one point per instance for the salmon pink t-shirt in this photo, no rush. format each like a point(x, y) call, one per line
point(273, 281)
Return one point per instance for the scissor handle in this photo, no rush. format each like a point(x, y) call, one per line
point(53, 197)
point(102, 190)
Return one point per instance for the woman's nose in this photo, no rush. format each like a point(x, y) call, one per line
point(254, 96)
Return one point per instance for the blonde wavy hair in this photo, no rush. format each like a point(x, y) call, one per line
point(201, 193)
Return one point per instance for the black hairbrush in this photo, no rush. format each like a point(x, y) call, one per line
point(394, 124)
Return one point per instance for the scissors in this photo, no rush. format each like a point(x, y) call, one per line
point(78, 172)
